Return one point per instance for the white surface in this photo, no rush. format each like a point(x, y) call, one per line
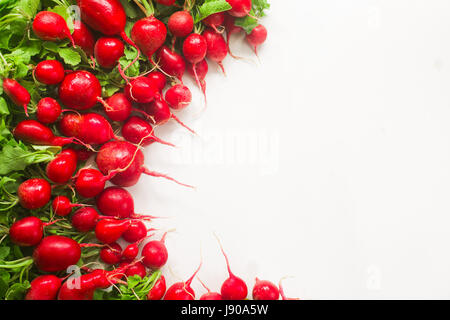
point(348, 188)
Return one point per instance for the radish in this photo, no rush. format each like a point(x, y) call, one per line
point(50, 26)
point(62, 168)
point(233, 288)
point(217, 47)
point(121, 155)
point(90, 182)
point(155, 254)
point(171, 62)
point(138, 131)
point(107, 51)
point(85, 219)
point(182, 290)
point(159, 79)
point(149, 35)
point(181, 24)
point(257, 37)
point(28, 231)
point(136, 269)
point(48, 110)
point(106, 16)
point(56, 253)
point(135, 232)
point(80, 90)
point(210, 295)
point(130, 252)
point(18, 94)
point(215, 21)
point(62, 206)
point(158, 290)
point(49, 72)
point(194, 50)
point(240, 8)
point(141, 90)
point(265, 290)
point(178, 97)
point(44, 287)
point(111, 254)
point(118, 107)
point(69, 125)
point(33, 132)
point(110, 230)
point(83, 37)
point(166, 2)
point(95, 129)
point(83, 154)
point(160, 113)
point(231, 29)
point(116, 202)
point(34, 193)
point(201, 69)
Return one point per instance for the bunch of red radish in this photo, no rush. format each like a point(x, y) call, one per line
point(119, 159)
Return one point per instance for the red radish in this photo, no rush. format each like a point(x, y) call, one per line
point(56, 253)
point(111, 254)
point(116, 202)
point(233, 288)
point(50, 26)
point(138, 131)
point(83, 37)
point(231, 29)
point(166, 2)
point(80, 90)
point(48, 110)
point(136, 231)
point(118, 107)
point(31, 131)
point(95, 129)
point(215, 20)
point(90, 182)
point(194, 50)
point(210, 295)
point(240, 8)
point(171, 62)
point(110, 230)
point(149, 35)
point(159, 79)
point(217, 47)
point(160, 113)
point(182, 290)
point(85, 219)
point(201, 69)
point(155, 254)
point(44, 287)
point(122, 155)
point(136, 269)
point(88, 283)
point(108, 51)
point(257, 37)
point(105, 16)
point(83, 154)
point(181, 24)
point(28, 231)
point(49, 72)
point(69, 125)
point(18, 94)
point(130, 252)
point(178, 97)
point(158, 290)
point(62, 206)
point(265, 290)
point(34, 193)
point(141, 90)
point(62, 168)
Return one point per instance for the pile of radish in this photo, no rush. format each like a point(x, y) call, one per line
point(79, 213)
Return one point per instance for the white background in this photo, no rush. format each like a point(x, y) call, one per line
point(328, 160)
